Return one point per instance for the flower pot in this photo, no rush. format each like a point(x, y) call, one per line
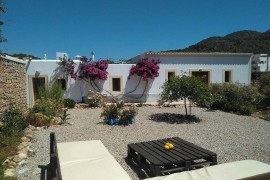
point(113, 121)
point(133, 120)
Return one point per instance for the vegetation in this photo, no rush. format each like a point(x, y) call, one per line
point(188, 88)
point(2, 10)
point(8, 147)
point(115, 114)
point(147, 69)
point(13, 121)
point(10, 133)
point(110, 112)
point(239, 98)
point(241, 41)
point(53, 91)
point(49, 105)
point(64, 117)
point(22, 55)
point(264, 88)
point(69, 103)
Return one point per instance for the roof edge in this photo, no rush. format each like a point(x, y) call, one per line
point(12, 59)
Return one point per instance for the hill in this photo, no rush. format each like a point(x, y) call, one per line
point(241, 41)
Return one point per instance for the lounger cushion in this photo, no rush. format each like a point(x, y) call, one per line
point(88, 160)
point(227, 171)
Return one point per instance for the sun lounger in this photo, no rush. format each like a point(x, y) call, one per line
point(246, 169)
point(83, 160)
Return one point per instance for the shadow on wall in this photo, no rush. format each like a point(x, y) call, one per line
point(79, 89)
point(137, 89)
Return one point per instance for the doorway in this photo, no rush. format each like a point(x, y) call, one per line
point(203, 75)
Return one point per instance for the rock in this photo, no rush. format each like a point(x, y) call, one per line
point(38, 128)
point(24, 151)
point(25, 139)
point(17, 159)
point(12, 164)
point(22, 156)
point(22, 162)
point(32, 127)
point(29, 136)
point(6, 162)
point(10, 172)
point(28, 131)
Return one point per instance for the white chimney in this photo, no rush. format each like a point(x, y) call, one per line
point(92, 56)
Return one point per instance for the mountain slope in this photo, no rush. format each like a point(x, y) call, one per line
point(240, 41)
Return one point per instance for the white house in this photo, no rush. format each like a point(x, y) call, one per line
point(211, 67)
point(260, 63)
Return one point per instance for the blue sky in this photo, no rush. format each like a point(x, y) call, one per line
point(123, 28)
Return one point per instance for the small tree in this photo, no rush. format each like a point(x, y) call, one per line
point(188, 88)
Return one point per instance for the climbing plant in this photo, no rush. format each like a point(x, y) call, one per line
point(147, 69)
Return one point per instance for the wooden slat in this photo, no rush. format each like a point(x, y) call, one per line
point(191, 149)
point(157, 152)
point(174, 154)
point(145, 154)
point(181, 153)
point(195, 146)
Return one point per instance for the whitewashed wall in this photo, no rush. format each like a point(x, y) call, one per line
point(76, 89)
point(240, 66)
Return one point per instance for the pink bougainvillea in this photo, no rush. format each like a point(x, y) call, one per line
point(93, 71)
point(147, 69)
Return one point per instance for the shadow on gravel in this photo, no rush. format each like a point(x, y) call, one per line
point(134, 166)
point(174, 118)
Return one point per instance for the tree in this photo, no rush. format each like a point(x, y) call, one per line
point(2, 10)
point(188, 88)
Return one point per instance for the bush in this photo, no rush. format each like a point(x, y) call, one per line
point(38, 119)
point(235, 97)
point(247, 109)
point(70, 103)
point(54, 91)
point(49, 107)
point(110, 112)
point(13, 121)
point(264, 88)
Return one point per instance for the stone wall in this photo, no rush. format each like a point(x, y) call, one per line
point(12, 83)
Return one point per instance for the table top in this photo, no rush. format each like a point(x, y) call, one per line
point(183, 151)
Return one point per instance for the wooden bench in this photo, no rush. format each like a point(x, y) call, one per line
point(83, 160)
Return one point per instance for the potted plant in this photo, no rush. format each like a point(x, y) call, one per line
point(128, 116)
point(110, 114)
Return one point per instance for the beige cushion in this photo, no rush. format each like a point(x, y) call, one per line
point(227, 171)
point(88, 160)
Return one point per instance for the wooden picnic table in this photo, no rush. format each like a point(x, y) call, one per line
point(156, 160)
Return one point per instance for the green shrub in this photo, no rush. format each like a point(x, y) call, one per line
point(125, 117)
point(13, 121)
point(264, 88)
point(70, 103)
point(48, 107)
point(235, 97)
point(110, 112)
point(38, 119)
point(53, 91)
point(247, 109)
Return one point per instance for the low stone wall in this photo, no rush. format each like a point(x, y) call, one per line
point(12, 83)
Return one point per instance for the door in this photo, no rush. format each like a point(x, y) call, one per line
point(38, 82)
point(203, 75)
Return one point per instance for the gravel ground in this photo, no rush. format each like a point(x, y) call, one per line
point(231, 136)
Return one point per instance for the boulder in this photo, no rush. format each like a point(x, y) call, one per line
point(25, 139)
point(9, 173)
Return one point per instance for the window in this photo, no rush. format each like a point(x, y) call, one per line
point(170, 74)
point(116, 85)
point(62, 82)
point(203, 75)
point(228, 76)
